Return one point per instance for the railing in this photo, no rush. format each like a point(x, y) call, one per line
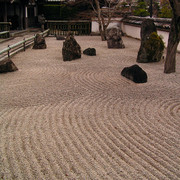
point(5, 26)
point(22, 45)
point(4, 34)
point(63, 27)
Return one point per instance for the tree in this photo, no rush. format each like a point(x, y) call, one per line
point(174, 37)
point(141, 9)
point(105, 14)
point(165, 11)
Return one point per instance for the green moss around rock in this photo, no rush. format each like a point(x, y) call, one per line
point(154, 46)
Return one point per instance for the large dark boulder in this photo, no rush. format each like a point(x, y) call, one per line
point(90, 51)
point(39, 42)
point(114, 38)
point(135, 73)
point(71, 49)
point(7, 66)
point(152, 46)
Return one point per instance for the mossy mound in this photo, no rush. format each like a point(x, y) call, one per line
point(154, 47)
point(151, 49)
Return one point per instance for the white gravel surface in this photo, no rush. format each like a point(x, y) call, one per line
point(82, 120)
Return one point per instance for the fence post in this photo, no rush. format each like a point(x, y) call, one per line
point(24, 44)
point(8, 52)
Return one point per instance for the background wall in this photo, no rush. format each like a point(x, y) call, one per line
point(131, 30)
point(134, 31)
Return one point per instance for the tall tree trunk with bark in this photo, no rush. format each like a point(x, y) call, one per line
point(174, 37)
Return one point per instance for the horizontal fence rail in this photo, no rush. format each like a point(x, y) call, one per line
point(22, 45)
point(63, 27)
point(5, 26)
point(4, 34)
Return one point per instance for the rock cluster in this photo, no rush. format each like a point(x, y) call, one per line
point(114, 38)
point(39, 42)
point(152, 46)
point(7, 66)
point(71, 49)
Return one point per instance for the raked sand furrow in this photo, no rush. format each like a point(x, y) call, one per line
point(145, 126)
point(171, 117)
point(153, 123)
point(38, 154)
point(83, 120)
point(150, 132)
point(71, 146)
point(72, 168)
point(57, 145)
point(161, 137)
point(159, 126)
point(47, 157)
point(95, 155)
point(142, 139)
point(118, 150)
point(94, 135)
point(103, 149)
point(11, 145)
point(99, 80)
point(163, 116)
point(129, 137)
point(80, 151)
point(117, 143)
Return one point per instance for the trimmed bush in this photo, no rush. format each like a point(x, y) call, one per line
point(141, 10)
point(154, 46)
point(165, 12)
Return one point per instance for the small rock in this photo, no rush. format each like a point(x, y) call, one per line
point(59, 37)
point(7, 66)
point(90, 51)
point(135, 73)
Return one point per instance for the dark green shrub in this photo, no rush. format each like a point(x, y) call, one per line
point(154, 46)
point(141, 10)
point(165, 12)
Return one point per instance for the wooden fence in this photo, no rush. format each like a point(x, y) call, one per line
point(22, 45)
point(4, 34)
point(63, 27)
point(5, 26)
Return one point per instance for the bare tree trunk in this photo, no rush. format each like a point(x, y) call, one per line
point(104, 27)
point(173, 41)
point(170, 63)
point(103, 18)
point(103, 38)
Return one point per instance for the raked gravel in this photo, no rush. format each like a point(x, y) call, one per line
point(82, 120)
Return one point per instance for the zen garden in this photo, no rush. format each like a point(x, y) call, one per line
point(89, 89)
